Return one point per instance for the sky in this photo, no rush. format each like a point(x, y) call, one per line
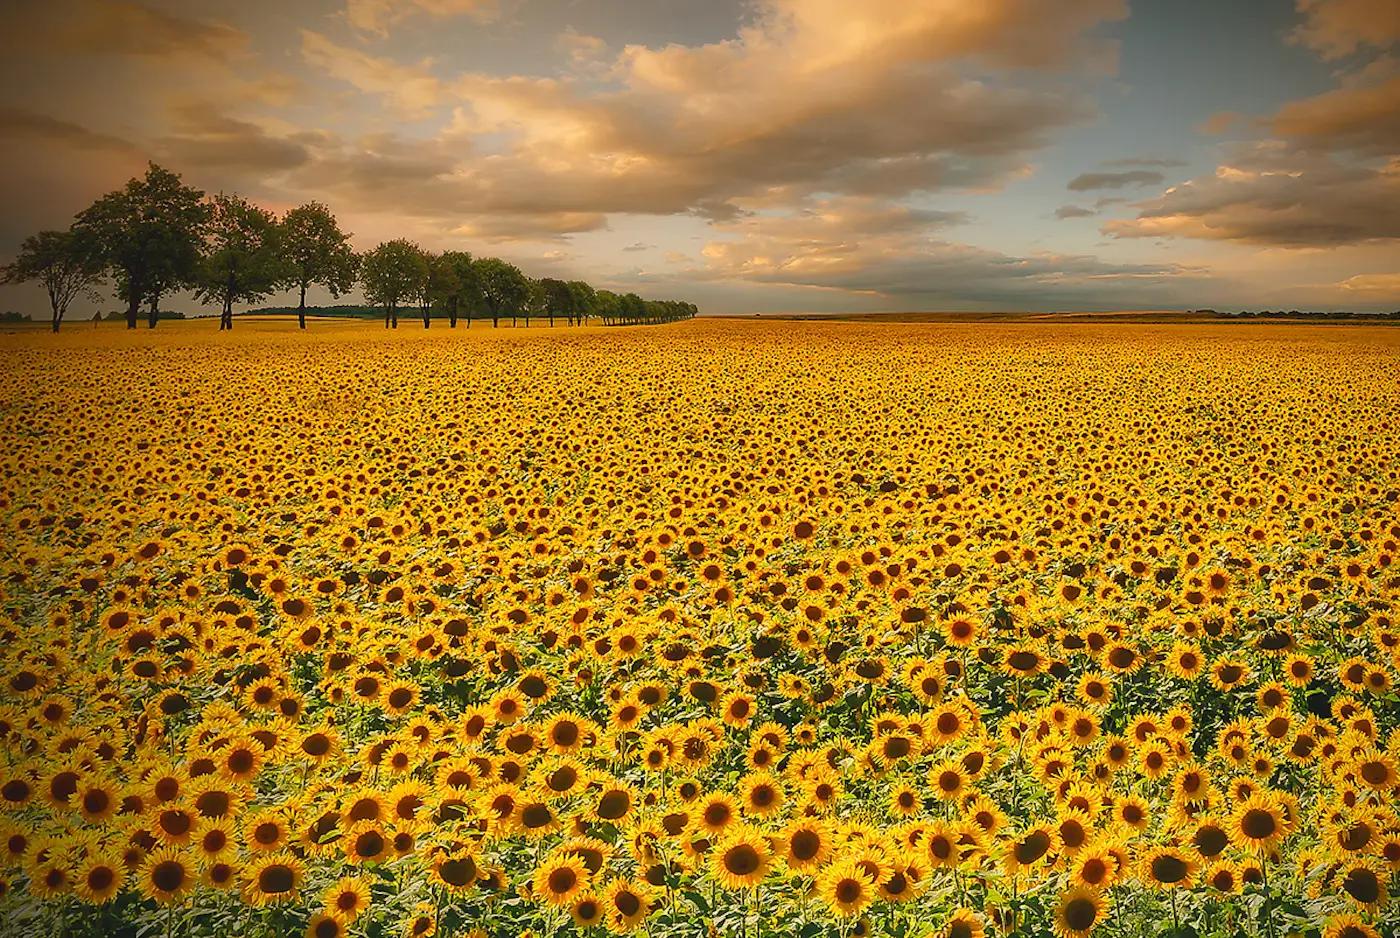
point(756, 155)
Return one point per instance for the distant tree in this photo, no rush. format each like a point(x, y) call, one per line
point(503, 287)
point(536, 300)
point(557, 299)
point(244, 261)
point(583, 298)
point(426, 293)
point(393, 272)
point(608, 306)
point(316, 251)
point(149, 234)
point(64, 263)
point(455, 284)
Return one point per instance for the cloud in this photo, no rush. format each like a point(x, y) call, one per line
point(1085, 182)
point(377, 16)
point(16, 123)
point(1374, 287)
point(639, 246)
point(411, 88)
point(810, 97)
point(1336, 28)
point(896, 257)
point(580, 48)
point(115, 27)
point(1145, 161)
point(1073, 211)
point(1364, 117)
point(208, 139)
point(1270, 195)
point(1221, 122)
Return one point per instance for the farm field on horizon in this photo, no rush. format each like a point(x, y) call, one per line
point(738, 628)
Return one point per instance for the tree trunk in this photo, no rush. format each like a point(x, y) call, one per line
point(427, 314)
point(154, 314)
point(301, 308)
point(133, 303)
point(386, 315)
point(452, 314)
point(551, 319)
point(394, 314)
point(57, 318)
point(226, 318)
point(495, 319)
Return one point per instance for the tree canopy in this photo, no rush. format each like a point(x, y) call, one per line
point(243, 261)
point(65, 263)
point(150, 235)
point(156, 235)
point(393, 272)
point(316, 251)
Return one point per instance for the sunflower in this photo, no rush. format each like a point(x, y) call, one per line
point(1347, 925)
point(346, 899)
point(99, 878)
point(1168, 868)
point(626, 905)
point(904, 800)
point(614, 804)
point(948, 780)
point(559, 879)
point(1227, 674)
point(272, 879)
point(716, 813)
point(1094, 867)
point(1132, 812)
point(1364, 882)
point(1223, 877)
point(963, 923)
point(456, 872)
point(740, 859)
point(367, 842)
point(167, 876)
point(1031, 848)
point(1377, 770)
point(1080, 909)
point(805, 843)
point(845, 889)
point(1257, 823)
point(737, 709)
point(587, 910)
point(325, 926)
point(760, 794)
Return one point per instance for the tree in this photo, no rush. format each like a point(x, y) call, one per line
point(503, 286)
point(455, 284)
point(427, 288)
point(315, 250)
point(607, 305)
point(149, 234)
point(393, 272)
point(584, 299)
point(65, 263)
point(244, 260)
point(558, 298)
point(536, 301)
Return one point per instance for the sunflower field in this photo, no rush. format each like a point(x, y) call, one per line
point(710, 629)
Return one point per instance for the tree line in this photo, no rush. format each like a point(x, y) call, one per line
point(156, 236)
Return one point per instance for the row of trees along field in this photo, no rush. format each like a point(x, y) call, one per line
point(157, 236)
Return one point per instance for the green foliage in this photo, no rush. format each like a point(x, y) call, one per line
point(316, 251)
point(150, 235)
point(243, 262)
point(393, 272)
point(65, 263)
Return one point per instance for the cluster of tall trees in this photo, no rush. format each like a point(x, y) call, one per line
point(156, 236)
